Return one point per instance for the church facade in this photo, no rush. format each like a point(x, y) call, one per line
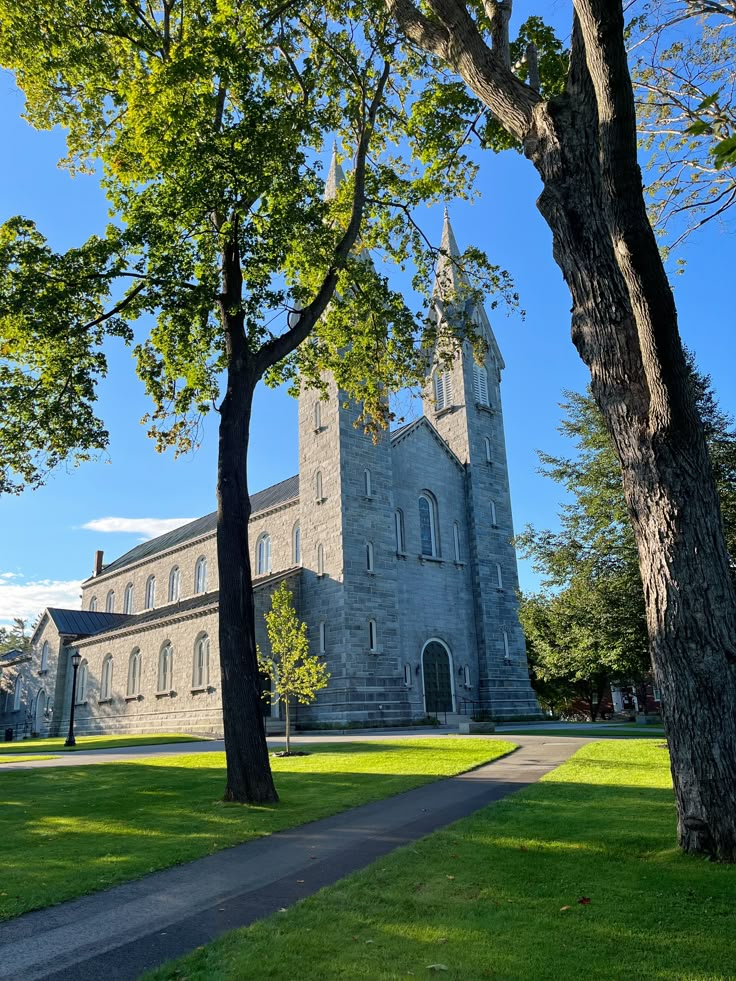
point(399, 555)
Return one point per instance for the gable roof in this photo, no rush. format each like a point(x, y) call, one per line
point(271, 497)
point(84, 622)
point(9, 657)
point(398, 435)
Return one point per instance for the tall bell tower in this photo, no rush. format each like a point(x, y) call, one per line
point(462, 399)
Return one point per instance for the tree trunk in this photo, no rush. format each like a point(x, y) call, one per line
point(624, 325)
point(288, 725)
point(249, 778)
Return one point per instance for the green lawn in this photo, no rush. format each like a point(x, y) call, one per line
point(92, 742)
point(66, 831)
point(577, 877)
point(616, 731)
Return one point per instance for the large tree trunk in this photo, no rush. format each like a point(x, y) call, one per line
point(249, 778)
point(624, 325)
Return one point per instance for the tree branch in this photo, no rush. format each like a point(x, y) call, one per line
point(458, 42)
point(282, 346)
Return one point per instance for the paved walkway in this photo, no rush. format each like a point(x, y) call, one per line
point(119, 933)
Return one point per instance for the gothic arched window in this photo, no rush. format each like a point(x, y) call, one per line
point(150, 592)
point(174, 584)
point(201, 667)
point(489, 454)
point(128, 598)
point(200, 575)
point(110, 602)
point(134, 674)
point(93, 605)
point(263, 554)
point(296, 544)
point(428, 525)
point(456, 540)
point(399, 526)
point(166, 669)
point(369, 556)
point(106, 679)
point(442, 389)
point(318, 487)
point(82, 676)
point(45, 656)
point(320, 560)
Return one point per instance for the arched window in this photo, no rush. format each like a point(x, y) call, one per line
point(200, 575)
point(480, 384)
point(45, 656)
point(506, 652)
point(296, 544)
point(166, 669)
point(428, 525)
point(174, 585)
point(317, 416)
point(93, 605)
point(407, 675)
point(466, 676)
point(399, 527)
point(372, 636)
point(150, 592)
point(367, 483)
point(322, 637)
point(110, 602)
point(318, 487)
point(494, 522)
point(456, 539)
point(489, 454)
point(320, 560)
point(128, 598)
point(499, 576)
point(82, 675)
point(369, 556)
point(134, 674)
point(17, 693)
point(442, 390)
point(263, 554)
point(201, 666)
point(106, 679)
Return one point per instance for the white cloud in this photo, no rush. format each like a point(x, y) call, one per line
point(148, 527)
point(28, 599)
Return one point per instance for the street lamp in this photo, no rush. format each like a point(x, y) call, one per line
point(76, 661)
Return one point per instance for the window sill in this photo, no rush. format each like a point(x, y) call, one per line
point(320, 500)
point(201, 688)
point(370, 572)
point(459, 564)
point(42, 672)
point(485, 408)
point(444, 410)
point(500, 589)
point(134, 698)
point(80, 704)
point(374, 651)
point(104, 701)
point(165, 694)
point(431, 558)
point(319, 429)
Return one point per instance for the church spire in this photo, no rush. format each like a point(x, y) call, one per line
point(335, 176)
point(448, 276)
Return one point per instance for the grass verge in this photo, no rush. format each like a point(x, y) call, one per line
point(26, 759)
point(86, 743)
point(576, 877)
point(103, 824)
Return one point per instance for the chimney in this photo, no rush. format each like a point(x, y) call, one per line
point(98, 562)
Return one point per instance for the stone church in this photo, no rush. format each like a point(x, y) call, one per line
point(398, 554)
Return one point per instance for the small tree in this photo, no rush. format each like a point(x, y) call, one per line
point(296, 674)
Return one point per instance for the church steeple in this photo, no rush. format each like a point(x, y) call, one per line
point(449, 277)
point(335, 176)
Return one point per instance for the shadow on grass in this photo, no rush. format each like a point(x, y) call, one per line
point(103, 824)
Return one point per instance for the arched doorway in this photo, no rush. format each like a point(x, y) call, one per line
point(437, 673)
point(39, 714)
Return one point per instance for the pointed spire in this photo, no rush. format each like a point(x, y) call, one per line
point(448, 277)
point(335, 177)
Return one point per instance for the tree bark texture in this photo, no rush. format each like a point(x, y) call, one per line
point(624, 326)
point(249, 778)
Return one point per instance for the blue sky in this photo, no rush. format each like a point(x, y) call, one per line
point(45, 546)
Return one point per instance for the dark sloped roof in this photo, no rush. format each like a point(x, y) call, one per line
point(14, 655)
point(395, 433)
point(84, 622)
point(271, 497)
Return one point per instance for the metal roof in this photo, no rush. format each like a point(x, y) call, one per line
point(84, 622)
point(270, 497)
point(14, 655)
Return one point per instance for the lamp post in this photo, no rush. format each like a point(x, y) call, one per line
point(76, 661)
